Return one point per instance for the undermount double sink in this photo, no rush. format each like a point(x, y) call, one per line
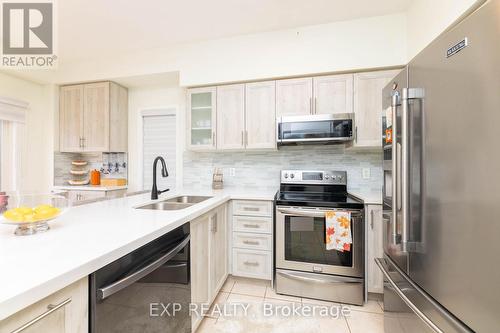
point(176, 203)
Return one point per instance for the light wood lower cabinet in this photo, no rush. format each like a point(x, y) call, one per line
point(77, 197)
point(374, 277)
point(208, 258)
point(252, 239)
point(65, 311)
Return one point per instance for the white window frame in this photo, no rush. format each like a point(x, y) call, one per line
point(14, 112)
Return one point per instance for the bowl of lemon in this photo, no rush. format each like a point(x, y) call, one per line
point(31, 213)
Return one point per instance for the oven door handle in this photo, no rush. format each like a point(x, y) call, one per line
point(300, 212)
point(105, 292)
point(324, 279)
point(309, 213)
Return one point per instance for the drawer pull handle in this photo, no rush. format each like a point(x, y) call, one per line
point(251, 263)
point(246, 225)
point(51, 308)
point(251, 209)
point(251, 242)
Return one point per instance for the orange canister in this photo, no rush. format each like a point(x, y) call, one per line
point(95, 177)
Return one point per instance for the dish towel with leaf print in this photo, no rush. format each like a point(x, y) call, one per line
point(338, 230)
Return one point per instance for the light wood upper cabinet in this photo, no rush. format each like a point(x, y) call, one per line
point(231, 117)
point(93, 118)
point(96, 116)
point(368, 106)
point(333, 94)
point(65, 311)
point(118, 123)
point(294, 97)
point(71, 118)
point(260, 115)
point(201, 118)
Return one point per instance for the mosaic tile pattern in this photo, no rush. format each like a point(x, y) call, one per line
point(258, 170)
point(62, 165)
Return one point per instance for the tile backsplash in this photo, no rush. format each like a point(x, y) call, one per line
point(105, 162)
point(257, 170)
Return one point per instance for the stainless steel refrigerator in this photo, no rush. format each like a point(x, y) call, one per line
point(442, 183)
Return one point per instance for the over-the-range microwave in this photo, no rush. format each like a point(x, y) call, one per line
point(315, 129)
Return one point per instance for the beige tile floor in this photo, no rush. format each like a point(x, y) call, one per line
point(361, 319)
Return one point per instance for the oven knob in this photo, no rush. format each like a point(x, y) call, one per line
point(292, 176)
point(286, 175)
point(327, 177)
point(333, 177)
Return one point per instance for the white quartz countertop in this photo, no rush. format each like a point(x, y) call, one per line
point(369, 198)
point(89, 237)
point(89, 188)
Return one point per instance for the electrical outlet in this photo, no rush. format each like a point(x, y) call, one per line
point(366, 173)
point(232, 172)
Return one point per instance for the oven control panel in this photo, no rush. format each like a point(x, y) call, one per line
point(313, 177)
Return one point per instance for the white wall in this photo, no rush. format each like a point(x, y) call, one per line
point(152, 97)
point(340, 46)
point(38, 159)
point(427, 19)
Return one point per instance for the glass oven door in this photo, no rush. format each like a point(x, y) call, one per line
point(300, 243)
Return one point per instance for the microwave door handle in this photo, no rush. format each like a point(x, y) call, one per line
point(105, 292)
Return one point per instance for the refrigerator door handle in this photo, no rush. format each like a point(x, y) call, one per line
point(395, 170)
point(405, 169)
point(405, 299)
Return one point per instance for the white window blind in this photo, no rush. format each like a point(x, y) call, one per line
point(12, 143)
point(159, 139)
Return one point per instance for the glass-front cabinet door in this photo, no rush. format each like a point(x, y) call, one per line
point(201, 118)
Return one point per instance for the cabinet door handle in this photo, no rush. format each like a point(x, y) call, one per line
point(214, 224)
point(356, 134)
point(311, 111)
point(251, 263)
point(251, 209)
point(213, 139)
point(246, 138)
point(51, 308)
point(254, 226)
point(251, 242)
point(315, 105)
point(243, 138)
point(371, 219)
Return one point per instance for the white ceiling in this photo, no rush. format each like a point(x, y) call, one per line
point(93, 28)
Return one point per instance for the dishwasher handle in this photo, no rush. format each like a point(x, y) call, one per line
point(105, 292)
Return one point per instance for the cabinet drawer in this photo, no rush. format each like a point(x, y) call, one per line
point(76, 196)
point(252, 263)
point(252, 224)
point(245, 240)
point(64, 311)
point(253, 208)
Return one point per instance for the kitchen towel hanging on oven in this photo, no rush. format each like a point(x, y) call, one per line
point(338, 230)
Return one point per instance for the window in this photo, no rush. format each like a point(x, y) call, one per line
point(12, 118)
point(159, 139)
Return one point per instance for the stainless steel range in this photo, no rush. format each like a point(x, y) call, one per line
point(303, 265)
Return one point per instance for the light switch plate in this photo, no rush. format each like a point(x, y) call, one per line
point(366, 173)
point(232, 172)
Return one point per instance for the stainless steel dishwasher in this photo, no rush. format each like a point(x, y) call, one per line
point(147, 290)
